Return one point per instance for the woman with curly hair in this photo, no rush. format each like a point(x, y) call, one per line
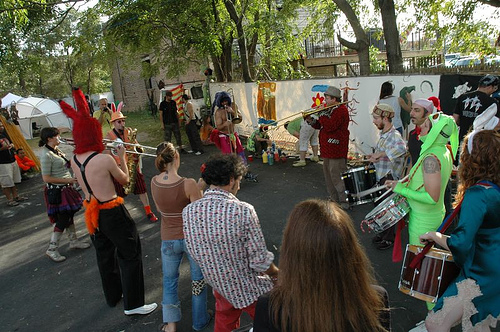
point(474, 297)
point(326, 281)
point(171, 193)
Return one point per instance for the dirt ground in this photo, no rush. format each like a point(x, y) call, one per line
point(40, 295)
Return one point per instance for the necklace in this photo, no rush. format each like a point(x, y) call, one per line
point(165, 177)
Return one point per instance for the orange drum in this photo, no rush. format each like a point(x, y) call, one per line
point(435, 274)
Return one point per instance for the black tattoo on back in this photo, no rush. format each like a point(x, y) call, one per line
point(431, 165)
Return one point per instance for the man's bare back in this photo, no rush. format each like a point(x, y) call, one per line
point(99, 172)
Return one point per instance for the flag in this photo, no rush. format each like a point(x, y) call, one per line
point(177, 93)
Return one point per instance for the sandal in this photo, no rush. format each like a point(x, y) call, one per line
point(12, 203)
point(20, 198)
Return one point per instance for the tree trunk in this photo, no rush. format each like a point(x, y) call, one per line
point(241, 39)
point(361, 45)
point(252, 49)
point(391, 35)
point(216, 60)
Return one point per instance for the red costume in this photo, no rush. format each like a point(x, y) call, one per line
point(334, 133)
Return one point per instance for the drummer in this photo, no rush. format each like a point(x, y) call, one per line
point(388, 159)
point(429, 175)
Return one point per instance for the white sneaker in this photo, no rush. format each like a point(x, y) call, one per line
point(197, 153)
point(420, 327)
point(144, 310)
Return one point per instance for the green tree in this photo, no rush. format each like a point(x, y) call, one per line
point(452, 22)
point(179, 34)
point(48, 55)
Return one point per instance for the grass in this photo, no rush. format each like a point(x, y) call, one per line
point(149, 130)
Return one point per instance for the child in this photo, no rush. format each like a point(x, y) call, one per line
point(26, 165)
point(205, 131)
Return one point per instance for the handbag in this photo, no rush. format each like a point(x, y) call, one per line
point(54, 195)
point(197, 121)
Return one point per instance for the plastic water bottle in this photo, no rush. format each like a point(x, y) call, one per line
point(273, 147)
point(270, 158)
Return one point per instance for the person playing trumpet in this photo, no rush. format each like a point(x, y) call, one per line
point(333, 142)
point(225, 138)
point(121, 132)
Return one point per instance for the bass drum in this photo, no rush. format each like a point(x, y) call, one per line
point(430, 281)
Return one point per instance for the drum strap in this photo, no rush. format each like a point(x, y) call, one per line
point(417, 261)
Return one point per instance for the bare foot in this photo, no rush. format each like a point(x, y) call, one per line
point(169, 327)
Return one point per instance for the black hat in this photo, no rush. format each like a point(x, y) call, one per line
point(489, 80)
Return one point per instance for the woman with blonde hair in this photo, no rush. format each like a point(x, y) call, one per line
point(171, 193)
point(474, 297)
point(326, 281)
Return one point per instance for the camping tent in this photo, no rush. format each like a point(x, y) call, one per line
point(36, 113)
point(9, 98)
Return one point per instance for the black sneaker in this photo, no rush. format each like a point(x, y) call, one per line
point(377, 239)
point(385, 245)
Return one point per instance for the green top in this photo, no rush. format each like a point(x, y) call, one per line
point(425, 215)
point(106, 125)
point(53, 165)
point(294, 126)
point(251, 139)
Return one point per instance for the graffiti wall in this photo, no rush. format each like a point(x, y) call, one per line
point(279, 100)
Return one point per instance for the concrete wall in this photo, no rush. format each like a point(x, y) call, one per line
point(296, 96)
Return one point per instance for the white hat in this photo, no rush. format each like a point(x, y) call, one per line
point(486, 120)
point(425, 104)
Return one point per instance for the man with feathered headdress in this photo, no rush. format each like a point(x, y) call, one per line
point(112, 230)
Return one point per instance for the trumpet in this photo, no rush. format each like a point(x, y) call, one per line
point(112, 144)
point(310, 111)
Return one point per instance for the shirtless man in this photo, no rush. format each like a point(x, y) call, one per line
point(228, 139)
point(115, 236)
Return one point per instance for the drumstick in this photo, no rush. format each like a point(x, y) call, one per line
point(390, 190)
point(369, 191)
point(358, 146)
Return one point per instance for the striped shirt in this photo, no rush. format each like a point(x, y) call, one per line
point(224, 237)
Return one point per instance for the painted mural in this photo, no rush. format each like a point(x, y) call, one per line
point(266, 101)
point(292, 97)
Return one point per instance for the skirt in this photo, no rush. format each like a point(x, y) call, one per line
point(71, 201)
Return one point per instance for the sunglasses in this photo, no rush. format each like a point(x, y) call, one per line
point(120, 121)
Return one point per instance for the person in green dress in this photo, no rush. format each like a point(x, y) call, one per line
point(429, 176)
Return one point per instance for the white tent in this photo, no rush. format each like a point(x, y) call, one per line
point(36, 113)
point(9, 98)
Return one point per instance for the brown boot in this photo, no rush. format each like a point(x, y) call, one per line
point(53, 251)
point(74, 243)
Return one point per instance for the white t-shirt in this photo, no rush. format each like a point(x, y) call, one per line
point(394, 103)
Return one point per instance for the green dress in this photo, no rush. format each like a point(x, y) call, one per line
point(425, 215)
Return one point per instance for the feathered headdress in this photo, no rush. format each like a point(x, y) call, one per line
point(87, 133)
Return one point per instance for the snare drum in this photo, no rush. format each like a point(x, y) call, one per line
point(435, 274)
point(357, 180)
point(386, 214)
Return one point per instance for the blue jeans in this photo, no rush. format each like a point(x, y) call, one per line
point(171, 258)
